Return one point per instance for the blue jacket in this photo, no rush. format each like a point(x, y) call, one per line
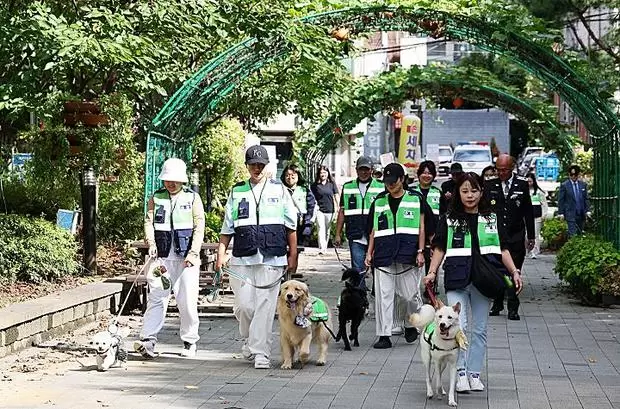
point(567, 205)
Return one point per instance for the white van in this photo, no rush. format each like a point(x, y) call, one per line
point(473, 157)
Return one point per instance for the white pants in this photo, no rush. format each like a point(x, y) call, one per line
point(255, 308)
point(323, 221)
point(185, 282)
point(537, 226)
point(406, 285)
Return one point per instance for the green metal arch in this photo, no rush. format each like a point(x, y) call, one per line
point(197, 100)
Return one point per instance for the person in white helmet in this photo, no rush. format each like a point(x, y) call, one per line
point(262, 218)
point(174, 228)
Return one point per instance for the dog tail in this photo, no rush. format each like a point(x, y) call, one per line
point(422, 318)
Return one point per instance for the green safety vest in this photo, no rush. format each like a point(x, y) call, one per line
point(173, 225)
point(259, 228)
point(432, 198)
point(457, 264)
point(488, 238)
point(396, 235)
point(356, 207)
point(536, 200)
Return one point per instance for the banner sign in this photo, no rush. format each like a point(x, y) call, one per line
point(409, 140)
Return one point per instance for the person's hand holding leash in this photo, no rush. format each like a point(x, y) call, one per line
point(429, 279)
point(420, 259)
point(337, 240)
point(153, 251)
point(368, 260)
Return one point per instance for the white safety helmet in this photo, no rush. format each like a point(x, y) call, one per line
point(174, 170)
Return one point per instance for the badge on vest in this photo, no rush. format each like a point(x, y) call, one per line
point(352, 202)
point(272, 201)
point(243, 209)
point(408, 214)
point(160, 214)
point(185, 207)
point(383, 221)
point(458, 240)
point(490, 228)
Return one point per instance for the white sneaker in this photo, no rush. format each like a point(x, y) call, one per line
point(462, 383)
point(397, 331)
point(245, 352)
point(261, 362)
point(189, 350)
point(146, 348)
point(475, 384)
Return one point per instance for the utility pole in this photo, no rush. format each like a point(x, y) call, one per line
point(89, 219)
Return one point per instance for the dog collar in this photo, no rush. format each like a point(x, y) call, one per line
point(428, 334)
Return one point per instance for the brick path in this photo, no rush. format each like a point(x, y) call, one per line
point(560, 355)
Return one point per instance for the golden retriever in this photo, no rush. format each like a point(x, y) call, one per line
point(297, 330)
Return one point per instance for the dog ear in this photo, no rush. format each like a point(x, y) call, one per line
point(457, 307)
point(305, 289)
point(439, 304)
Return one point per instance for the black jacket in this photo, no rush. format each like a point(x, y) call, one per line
point(515, 213)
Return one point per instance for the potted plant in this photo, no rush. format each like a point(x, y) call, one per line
point(555, 233)
point(609, 286)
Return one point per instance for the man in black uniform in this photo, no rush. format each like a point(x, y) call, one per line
point(509, 196)
point(448, 186)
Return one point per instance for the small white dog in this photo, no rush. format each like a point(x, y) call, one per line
point(441, 338)
point(109, 348)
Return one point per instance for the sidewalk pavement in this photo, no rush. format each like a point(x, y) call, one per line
point(560, 355)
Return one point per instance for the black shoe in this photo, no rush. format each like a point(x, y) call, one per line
point(383, 343)
point(514, 316)
point(411, 334)
point(495, 311)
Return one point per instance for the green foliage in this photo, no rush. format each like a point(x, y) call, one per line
point(585, 160)
point(554, 232)
point(32, 249)
point(582, 261)
point(213, 225)
point(218, 152)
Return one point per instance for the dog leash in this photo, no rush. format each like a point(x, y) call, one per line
point(431, 294)
point(394, 274)
point(247, 280)
point(113, 327)
point(339, 259)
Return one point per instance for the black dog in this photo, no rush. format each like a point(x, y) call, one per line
point(353, 303)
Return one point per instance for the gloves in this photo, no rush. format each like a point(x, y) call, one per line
point(153, 251)
point(307, 231)
point(589, 214)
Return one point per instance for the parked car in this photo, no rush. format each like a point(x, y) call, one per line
point(530, 150)
point(473, 157)
point(445, 160)
point(528, 163)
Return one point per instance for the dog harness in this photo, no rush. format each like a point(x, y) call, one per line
point(428, 334)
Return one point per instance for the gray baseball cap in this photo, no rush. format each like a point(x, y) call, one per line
point(363, 162)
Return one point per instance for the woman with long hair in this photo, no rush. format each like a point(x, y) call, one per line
point(303, 199)
point(325, 192)
point(539, 204)
point(469, 229)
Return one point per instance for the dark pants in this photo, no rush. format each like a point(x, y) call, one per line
point(517, 251)
point(576, 225)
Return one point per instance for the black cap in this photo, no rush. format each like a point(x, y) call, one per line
point(456, 167)
point(363, 162)
point(256, 154)
point(393, 172)
point(574, 170)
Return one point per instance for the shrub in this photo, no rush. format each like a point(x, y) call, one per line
point(582, 262)
point(554, 232)
point(33, 249)
point(213, 226)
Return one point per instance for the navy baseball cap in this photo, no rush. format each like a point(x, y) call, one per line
point(256, 154)
point(393, 172)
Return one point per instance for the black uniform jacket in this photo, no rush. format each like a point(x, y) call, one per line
point(515, 212)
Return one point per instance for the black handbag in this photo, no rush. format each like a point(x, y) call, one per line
point(486, 277)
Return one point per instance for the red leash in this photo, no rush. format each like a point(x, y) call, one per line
point(431, 294)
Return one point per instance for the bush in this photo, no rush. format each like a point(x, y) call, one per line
point(554, 232)
point(213, 226)
point(33, 249)
point(582, 263)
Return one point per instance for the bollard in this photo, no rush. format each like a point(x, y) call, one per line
point(89, 219)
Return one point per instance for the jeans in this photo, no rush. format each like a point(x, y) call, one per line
point(471, 299)
point(358, 255)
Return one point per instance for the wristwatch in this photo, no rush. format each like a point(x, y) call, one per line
point(420, 250)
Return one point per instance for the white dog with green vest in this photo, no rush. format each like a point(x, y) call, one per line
point(439, 344)
point(303, 320)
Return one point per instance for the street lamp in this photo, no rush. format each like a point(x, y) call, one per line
point(89, 219)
